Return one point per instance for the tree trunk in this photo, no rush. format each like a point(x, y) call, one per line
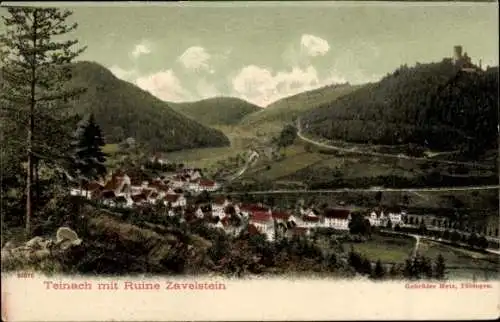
point(29, 143)
point(37, 180)
point(29, 181)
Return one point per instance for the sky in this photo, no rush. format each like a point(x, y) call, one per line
point(267, 51)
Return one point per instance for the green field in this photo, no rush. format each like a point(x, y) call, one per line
point(202, 158)
point(286, 167)
point(111, 148)
point(389, 249)
point(462, 263)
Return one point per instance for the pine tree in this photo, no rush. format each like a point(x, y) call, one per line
point(367, 266)
point(87, 156)
point(440, 268)
point(35, 71)
point(379, 271)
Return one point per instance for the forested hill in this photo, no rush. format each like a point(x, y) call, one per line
point(436, 105)
point(287, 109)
point(217, 110)
point(124, 110)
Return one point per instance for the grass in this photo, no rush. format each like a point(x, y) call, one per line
point(290, 165)
point(389, 249)
point(463, 263)
point(295, 159)
point(203, 158)
point(111, 148)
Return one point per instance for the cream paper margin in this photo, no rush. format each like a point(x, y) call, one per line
point(27, 299)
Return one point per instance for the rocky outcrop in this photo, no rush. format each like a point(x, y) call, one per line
point(38, 249)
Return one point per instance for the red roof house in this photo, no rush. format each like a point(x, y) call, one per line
point(281, 215)
point(260, 216)
point(337, 213)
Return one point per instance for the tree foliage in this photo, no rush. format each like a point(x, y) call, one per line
point(123, 110)
point(287, 136)
point(359, 225)
point(435, 105)
point(440, 268)
point(87, 156)
point(35, 73)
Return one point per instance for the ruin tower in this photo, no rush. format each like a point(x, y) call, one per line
point(457, 54)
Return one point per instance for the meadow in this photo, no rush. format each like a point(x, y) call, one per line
point(462, 263)
point(389, 249)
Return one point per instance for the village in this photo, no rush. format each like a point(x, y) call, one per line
point(177, 190)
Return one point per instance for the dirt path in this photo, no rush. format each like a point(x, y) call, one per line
point(378, 154)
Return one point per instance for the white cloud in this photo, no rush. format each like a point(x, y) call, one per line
point(262, 86)
point(165, 85)
point(196, 58)
point(255, 84)
point(141, 49)
point(205, 89)
point(314, 46)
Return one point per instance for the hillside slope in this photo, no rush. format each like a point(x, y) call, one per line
point(436, 105)
point(124, 110)
point(287, 109)
point(217, 110)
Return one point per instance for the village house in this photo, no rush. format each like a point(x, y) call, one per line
point(219, 206)
point(309, 221)
point(246, 210)
point(153, 196)
point(284, 218)
point(217, 224)
point(138, 181)
point(396, 218)
point(180, 181)
point(337, 218)
point(231, 227)
point(417, 219)
point(174, 200)
point(377, 218)
point(193, 174)
point(263, 221)
point(107, 197)
point(159, 160)
point(139, 199)
point(87, 190)
point(207, 185)
point(199, 213)
point(194, 185)
point(308, 212)
point(491, 227)
point(120, 182)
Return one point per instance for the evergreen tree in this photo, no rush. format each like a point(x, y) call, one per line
point(87, 156)
point(440, 268)
point(473, 239)
point(393, 272)
point(354, 260)
point(408, 271)
point(35, 71)
point(379, 271)
point(367, 266)
point(287, 136)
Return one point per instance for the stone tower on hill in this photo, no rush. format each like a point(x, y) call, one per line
point(457, 54)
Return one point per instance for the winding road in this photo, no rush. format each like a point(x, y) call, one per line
point(323, 145)
point(378, 154)
point(419, 237)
